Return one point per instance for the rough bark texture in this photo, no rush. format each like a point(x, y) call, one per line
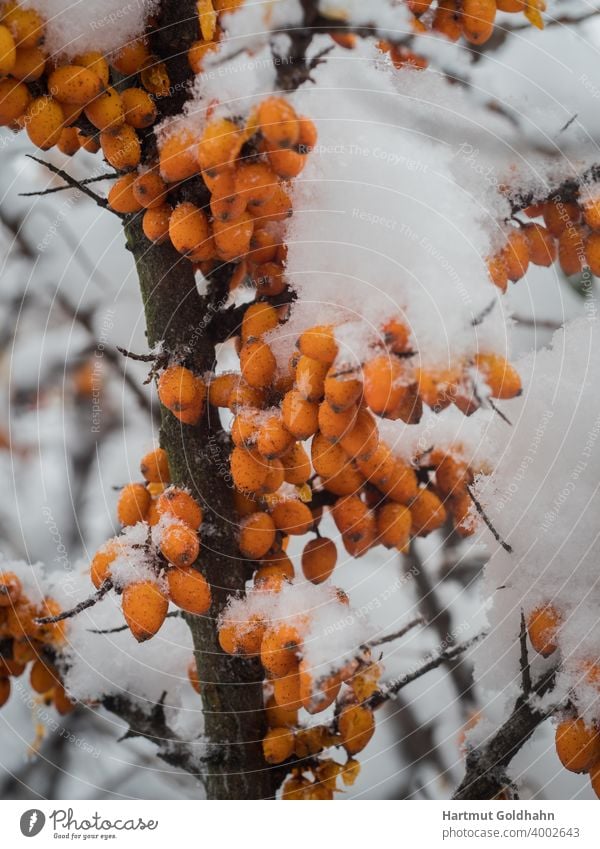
point(231, 686)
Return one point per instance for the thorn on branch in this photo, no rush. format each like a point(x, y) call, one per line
point(499, 412)
point(83, 605)
point(487, 521)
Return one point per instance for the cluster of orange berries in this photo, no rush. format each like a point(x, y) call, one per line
point(471, 19)
point(25, 641)
point(577, 741)
point(570, 232)
point(171, 519)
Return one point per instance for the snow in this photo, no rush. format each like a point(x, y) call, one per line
point(104, 25)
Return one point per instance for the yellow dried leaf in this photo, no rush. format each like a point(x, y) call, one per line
point(304, 493)
point(533, 15)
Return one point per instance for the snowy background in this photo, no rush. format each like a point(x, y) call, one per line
point(398, 205)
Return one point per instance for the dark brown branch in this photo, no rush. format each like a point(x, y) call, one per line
point(524, 658)
point(75, 184)
point(54, 189)
point(545, 324)
point(388, 638)
point(172, 614)
point(83, 605)
point(487, 521)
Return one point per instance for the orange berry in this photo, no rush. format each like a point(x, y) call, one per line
point(42, 678)
point(299, 416)
point(121, 197)
point(226, 204)
point(106, 111)
point(30, 63)
point(543, 624)
point(139, 108)
point(177, 157)
point(150, 190)
point(542, 247)
point(560, 215)
point(131, 58)
point(346, 481)
point(101, 562)
point(319, 343)
point(273, 439)
point(592, 253)
point(179, 544)
point(317, 695)
point(258, 319)
point(189, 589)
point(4, 691)
point(197, 53)
point(219, 146)
point(427, 512)
point(144, 608)
point(571, 249)
point(8, 53)
point(278, 745)
point(193, 676)
point(318, 559)
point(250, 635)
point(14, 100)
point(255, 182)
point(248, 469)
point(591, 208)
point(44, 120)
point(515, 255)
point(220, 388)
point(155, 223)
point(268, 279)
point(277, 208)
point(334, 425)
point(232, 238)
point(296, 465)
point(447, 19)
point(278, 716)
point(74, 84)
point(503, 380)
point(307, 137)
point(310, 378)
point(278, 122)
point(154, 466)
point(478, 20)
point(94, 61)
point(394, 522)
point(263, 247)
point(181, 391)
point(189, 229)
point(257, 535)
point(577, 745)
point(121, 147)
point(242, 396)
point(258, 365)
point(362, 439)
point(285, 163)
point(286, 690)
point(89, 143)
point(292, 516)
point(278, 652)
point(180, 504)
point(356, 725)
point(133, 504)
point(342, 390)
point(10, 589)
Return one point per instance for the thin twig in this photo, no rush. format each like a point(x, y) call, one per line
point(499, 412)
point(54, 189)
point(140, 358)
point(485, 518)
point(524, 658)
point(173, 614)
point(71, 181)
point(83, 605)
point(380, 641)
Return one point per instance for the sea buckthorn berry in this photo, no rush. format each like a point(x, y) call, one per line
point(193, 675)
point(427, 512)
point(232, 238)
point(515, 255)
point(44, 121)
point(279, 649)
point(42, 678)
point(498, 271)
point(342, 389)
point(542, 626)
point(189, 229)
point(307, 136)
point(592, 253)
point(244, 428)
point(286, 163)
point(226, 204)
point(242, 395)
point(318, 559)
point(8, 52)
point(292, 516)
point(177, 157)
point(319, 343)
point(296, 465)
point(144, 608)
point(219, 146)
point(198, 52)
point(220, 388)
point(560, 215)
point(334, 425)
point(571, 249)
point(249, 470)
point(26, 25)
point(180, 504)
point(10, 589)
point(356, 725)
point(349, 514)
point(317, 695)
point(542, 247)
point(155, 223)
point(278, 122)
point(591, 208)
point(258, 319)
point(68, 142)
point(94, 61)
point(263, 247)
point(299, 416)
point(154, 76)
point(577, 745)
point(24, 651)
point(255, 182)
point(89, 143)
point(403, 485)
point(251, 634)
point(286, 690)
point(269, 279)
point(74, 84)
point(451, 475)
point(447, 19)
point(279, 716)
point(362, 439)
point(394, 522)
point(257, 535)
point(121, 147)
point(14, 100)
point(228, 638)
point(503, 380)
point(188, 589)
point(101, 562)
point(154, 466)
point(179, 544)
point(30, 64)
point(5, 687)
point(139, 108)
point(133, 504)
point(276, 561)
point(273, 439)
point(180, 391)
point(278, 745)
point(310, 378)
point(131, 58)
point(257, 364)
point(478, 20)
point(438, 388)
point(149, 189)
point(105, 111)
point(20, 620)
point(277, 208)
point(346, 481)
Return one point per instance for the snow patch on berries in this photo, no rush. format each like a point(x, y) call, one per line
point(33, 578)
point(102, 25)
point(543, 500)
